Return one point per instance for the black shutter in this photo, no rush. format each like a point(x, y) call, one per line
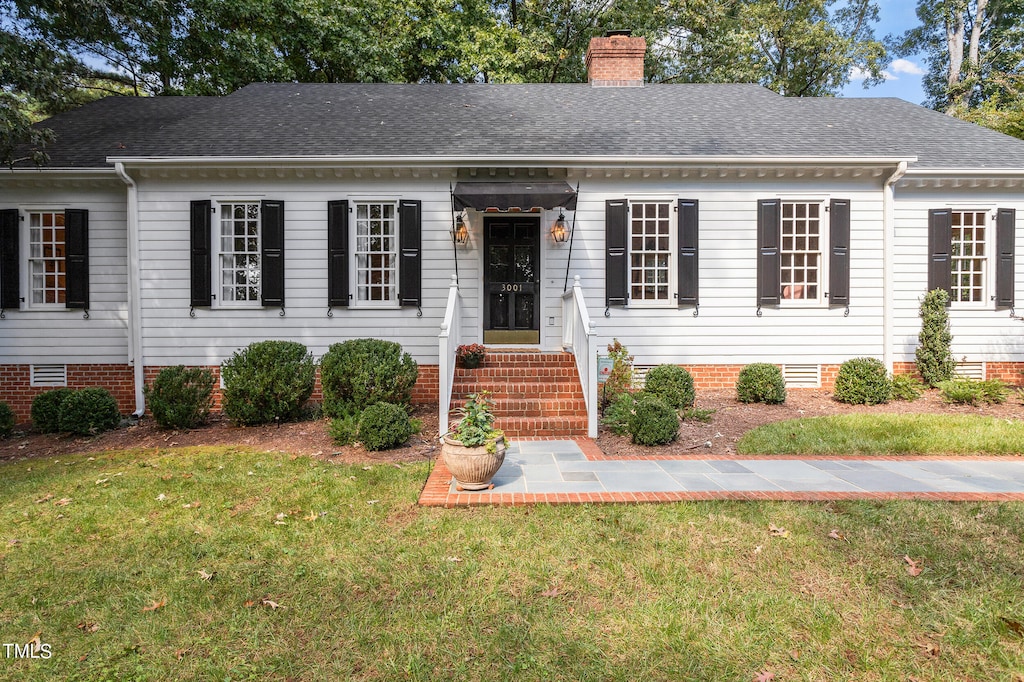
point(616, 236)
point(409, 262)
point(688, 256)
point(10, 260)
point(337, 253)
point(940, 238)
point(769, 234)
point(272, 238)
point(76, 257)
point(1006, 219)
point(839, 259)
point(200, 236)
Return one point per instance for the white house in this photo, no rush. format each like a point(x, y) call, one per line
point(709, 226)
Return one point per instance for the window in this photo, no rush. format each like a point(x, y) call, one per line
point(649, 252)
point(376, 253)
point(46, 261)
point(968, 256)
point(801, 252)
point(240, 252)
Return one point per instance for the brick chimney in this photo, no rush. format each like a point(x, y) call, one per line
point(616, 60)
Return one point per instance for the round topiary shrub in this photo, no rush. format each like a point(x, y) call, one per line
point(7, 420)
point(761, 382)
point(357, 373)
point(672, 384)
point(46, 410)
point(384, 426)
point(653, 422)
point(863, 381)
point(89, 411)
point(180, 396)
point(267, 381)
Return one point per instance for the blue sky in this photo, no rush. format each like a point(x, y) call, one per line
point(903, 77)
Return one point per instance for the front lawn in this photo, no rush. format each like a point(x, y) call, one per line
point(223, 563)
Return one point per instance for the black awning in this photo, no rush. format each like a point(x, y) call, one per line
point(508, 195)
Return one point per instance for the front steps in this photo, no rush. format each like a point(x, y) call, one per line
point(534, 393)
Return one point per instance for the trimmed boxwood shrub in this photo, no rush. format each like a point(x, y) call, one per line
point(180, 396)
point(653, 422)
point(384, 426)
point(671, 383)
point(46, 410)
point(89, 411)
point(267, 381)
point(6, 420)
point(863, 381)
point(906, 387)
point(933, 357)
point(761, 382)
point(358, 373)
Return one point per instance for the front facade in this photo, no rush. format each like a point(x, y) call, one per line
point(708, 226)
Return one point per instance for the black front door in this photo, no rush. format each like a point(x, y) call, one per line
point(511, 280)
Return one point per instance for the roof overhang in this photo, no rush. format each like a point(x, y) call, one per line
point(505, 196)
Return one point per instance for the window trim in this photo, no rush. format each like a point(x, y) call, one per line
point(824, 250)
point(25, 264)
point(217, 256)
point(987, 301)
point(672, 201)
point(354, 202)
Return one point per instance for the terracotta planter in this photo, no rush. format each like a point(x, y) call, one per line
point(473, 468)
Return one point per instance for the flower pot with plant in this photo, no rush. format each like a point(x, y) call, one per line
point(473, 450)
point(471, 355)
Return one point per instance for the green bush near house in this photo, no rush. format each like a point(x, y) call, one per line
point(361, 372)
point(383, 426)
point(620, 379)
point(89, 411)
point(906, 387)
point(933, 357)
point(616, 416)
point(673, 384)
point(863, 381)
point(7, 420)
point(180, 397)
point(653, 422)
point(46, 410)
point(761, 382)
point(971, 392)
point(267, 381)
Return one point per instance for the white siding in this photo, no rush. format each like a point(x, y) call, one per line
point(63, 336)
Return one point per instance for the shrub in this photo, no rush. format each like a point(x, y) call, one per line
point(653, 422)
point(620, 380)
point(384, 426)
point(267, 381)
point(970, 392)
point(360, 372)
point(46, 409)
point(863, 381)
point(994, 391)
point(180, 396)
point(761, 382)
point(906, 387)
point(7, 420)
point(616, 416)
point(698, 414)
point(89, 411)
point(671, 383)
point(934, 360)
point(344, 429)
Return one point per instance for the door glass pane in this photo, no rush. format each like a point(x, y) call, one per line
point(524, 311)
point(524, 263)
point(499, 263)
point(499, 311)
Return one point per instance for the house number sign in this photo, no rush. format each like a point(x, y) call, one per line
point(511, 287)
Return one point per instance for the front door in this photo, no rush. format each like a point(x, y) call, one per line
point(511, 279)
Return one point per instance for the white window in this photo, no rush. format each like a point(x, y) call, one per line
point(801, 260)
point(651, 241)
point(240, 268)
point(376, 253)
point(968, 256)
point(46, 258)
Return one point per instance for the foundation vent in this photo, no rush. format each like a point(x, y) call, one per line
point(640, 377)
point(970, 370)
point(49, 375)
point(802, 376)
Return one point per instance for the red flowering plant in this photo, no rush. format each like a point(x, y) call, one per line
point(471, 354)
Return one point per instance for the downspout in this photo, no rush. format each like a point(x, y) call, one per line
point(135, 354)
point(888, 263)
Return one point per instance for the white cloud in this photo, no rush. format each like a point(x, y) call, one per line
point(859, 74)
point(908, 67)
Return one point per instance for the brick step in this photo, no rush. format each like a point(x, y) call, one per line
point(539, 407)
point(515, 372)
point(527, 359)
point(565, 390)
point(560, 427)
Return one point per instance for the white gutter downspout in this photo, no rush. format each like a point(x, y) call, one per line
point(888, 263)
point(134, 292)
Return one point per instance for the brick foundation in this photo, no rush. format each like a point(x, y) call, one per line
point(16, 391)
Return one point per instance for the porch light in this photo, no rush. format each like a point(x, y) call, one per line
point(461, 232)
point(558, 231)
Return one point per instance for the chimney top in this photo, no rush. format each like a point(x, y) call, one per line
point(616, 60)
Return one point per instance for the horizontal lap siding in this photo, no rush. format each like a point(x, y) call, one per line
point(63, 336)
point(981, 333)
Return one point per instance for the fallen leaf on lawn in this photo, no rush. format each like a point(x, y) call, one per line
point(553, 592)
point(929, 649)
point(161, 497)
point(795, 655)
point(778, 532)
point(45, 498)
point(37, 641)
point(1014, 625)
point(280, 516)
point(249, 604)
point(914, 568)
point(372, 501)
point(313, 516)
point(454, 559)
point(167, 477)
point(87, 627)
point(204, 575)
point(280, 523)
point(180, 653)
point(764, 676)
point(191, 505)
point(83, 657)
point(272, 604)
point(367, 468)
point(102, 481)
point(155, 605)
point(62, 502)
point(836, 535)
point(12, 542)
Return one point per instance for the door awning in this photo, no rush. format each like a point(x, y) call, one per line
point(514, 195)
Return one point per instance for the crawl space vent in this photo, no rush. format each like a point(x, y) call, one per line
point(49, 375)
point(802, 376)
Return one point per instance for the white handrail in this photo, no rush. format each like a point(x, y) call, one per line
point(579, 337)
point(447, 343)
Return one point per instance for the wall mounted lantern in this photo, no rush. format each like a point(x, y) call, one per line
point(461, 232)
point(558, 231)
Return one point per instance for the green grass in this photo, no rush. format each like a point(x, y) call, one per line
point(372, 587)
point(887, 434)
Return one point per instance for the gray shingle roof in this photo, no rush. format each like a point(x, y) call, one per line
point(530, 120)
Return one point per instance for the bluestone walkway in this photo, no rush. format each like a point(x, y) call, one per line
point(577, 471)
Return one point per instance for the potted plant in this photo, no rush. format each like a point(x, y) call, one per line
point(473, 449)
point(471, 355)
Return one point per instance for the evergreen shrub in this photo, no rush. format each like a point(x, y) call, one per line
point(358, 373)
point(7, 420)
point(267, 381)
point(673, 384)
point(653, 422)
point(933, 357)
point(89, 411)
point(180, 397)
point(863, 381)
point(384, 426)
point(46, 410)
point(761, 382)
point(906, 387)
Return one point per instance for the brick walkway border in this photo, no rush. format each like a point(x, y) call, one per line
point(437, 491)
